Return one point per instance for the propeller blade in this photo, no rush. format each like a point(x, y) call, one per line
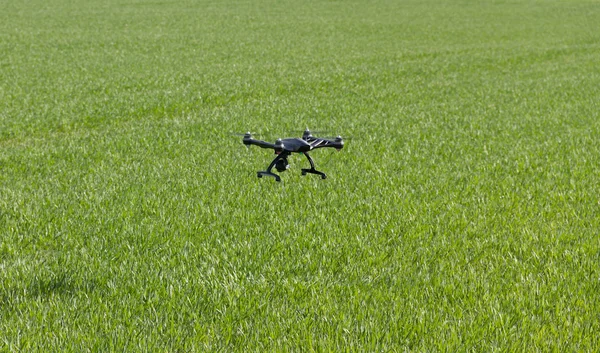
point(243, 133)
point(345, 138)
point(312, 132)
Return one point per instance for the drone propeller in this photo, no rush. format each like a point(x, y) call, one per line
point(243, 133)
point(307, 133)
point(307, 130)
point(328, 136)
point(335, 138)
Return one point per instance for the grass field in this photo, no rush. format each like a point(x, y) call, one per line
point(464, 214)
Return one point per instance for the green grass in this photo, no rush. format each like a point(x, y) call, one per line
point(464, 215)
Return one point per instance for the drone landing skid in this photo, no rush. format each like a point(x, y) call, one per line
point(312, 169)
point(260, 175)
point(280, 163)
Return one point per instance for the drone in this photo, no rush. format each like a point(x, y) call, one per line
point(285, 147)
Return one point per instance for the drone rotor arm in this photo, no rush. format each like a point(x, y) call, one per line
point(315, 142)
point(259, 143)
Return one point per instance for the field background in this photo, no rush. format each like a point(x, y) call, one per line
point(464, 214)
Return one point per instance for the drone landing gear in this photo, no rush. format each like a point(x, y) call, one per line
point(260, 175)
point(312, 169)
point(280, 163)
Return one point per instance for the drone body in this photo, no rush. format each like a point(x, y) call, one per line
point(284, 148)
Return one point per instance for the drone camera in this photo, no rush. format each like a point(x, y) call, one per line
point(282, 165)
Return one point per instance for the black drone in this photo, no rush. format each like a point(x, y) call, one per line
point(284, 147)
